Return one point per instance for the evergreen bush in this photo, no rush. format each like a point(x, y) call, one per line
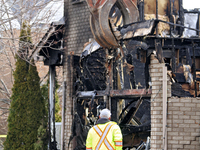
point(27, 109)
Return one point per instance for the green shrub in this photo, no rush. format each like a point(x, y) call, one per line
point(27, 109)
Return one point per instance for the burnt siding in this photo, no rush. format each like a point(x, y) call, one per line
point(77, 26)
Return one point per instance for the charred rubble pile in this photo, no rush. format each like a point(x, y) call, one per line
point(100, 73)
point(183, 84)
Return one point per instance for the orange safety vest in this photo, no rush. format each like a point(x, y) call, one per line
point(104, 137)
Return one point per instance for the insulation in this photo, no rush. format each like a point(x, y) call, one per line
point(191, 22)
point(163, 28)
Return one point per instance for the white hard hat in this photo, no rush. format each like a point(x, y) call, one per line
point(105, 113)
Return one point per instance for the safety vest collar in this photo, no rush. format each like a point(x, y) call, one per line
point(102, 121)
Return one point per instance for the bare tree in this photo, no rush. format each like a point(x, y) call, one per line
point(39, 14)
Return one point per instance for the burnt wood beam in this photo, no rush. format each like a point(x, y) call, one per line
point(133, 30)
point(44, 40)
point(128, 116)
point(132, 74)
point(115, 79)
point(147, 75)
point(178, 25)
point(198, 26)
point(54, 57)
point(114, 110)
point(87, 71)
point(132, 79)
point(128, 129)
point(181, 17)
point(170, 16)
point(188, 57)
point(141, 9)
point(128, 93)
point(173, 57)
point(157, 17)
point(159, 51)
point(194, 69)
point(167, 42)
point(89, 94)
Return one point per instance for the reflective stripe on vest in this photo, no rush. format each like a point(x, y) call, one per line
point(118, 143)
point(103, 137)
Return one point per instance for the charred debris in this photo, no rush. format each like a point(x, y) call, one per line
point(118, 77)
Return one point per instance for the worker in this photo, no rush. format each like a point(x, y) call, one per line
point(105, 135)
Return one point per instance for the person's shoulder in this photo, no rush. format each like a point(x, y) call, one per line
point(92, 128)
point(114, 123)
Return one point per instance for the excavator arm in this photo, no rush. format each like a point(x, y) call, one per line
point(104, 16)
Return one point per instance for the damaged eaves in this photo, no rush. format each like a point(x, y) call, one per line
point(49, 49)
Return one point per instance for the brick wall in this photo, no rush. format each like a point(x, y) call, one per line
point(68, 102)
point(77, 33)
point(183, 123)
point(77, 26)
point(156, 73)
point(183, 116)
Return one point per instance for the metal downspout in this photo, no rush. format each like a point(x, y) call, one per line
point(52, 105)
point(164, 108)
point(63, 115)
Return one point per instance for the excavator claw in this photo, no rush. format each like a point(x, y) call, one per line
point(102, 17)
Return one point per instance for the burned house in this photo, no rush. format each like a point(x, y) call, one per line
point(140, 59)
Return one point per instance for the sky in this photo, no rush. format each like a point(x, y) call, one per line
point(191, 4)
